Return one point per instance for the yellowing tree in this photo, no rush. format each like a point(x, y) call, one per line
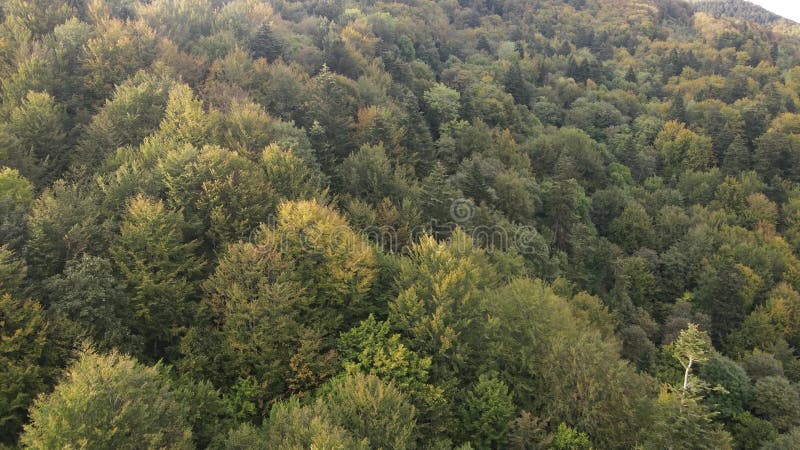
point(681, 149)
point(109, 401)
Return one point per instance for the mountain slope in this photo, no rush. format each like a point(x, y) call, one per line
point(740, 9)
point(435, 224)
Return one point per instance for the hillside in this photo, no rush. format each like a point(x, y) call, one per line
point(433, 224)
point(739, 9)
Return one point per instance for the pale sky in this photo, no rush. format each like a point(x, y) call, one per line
point(786, 8)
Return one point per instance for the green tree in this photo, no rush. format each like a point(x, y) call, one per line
point(368, 174)
point(12, 272)
point(65, 222)
point(35, 140)
point(760, 364)
point(371, 410)
point(633, 228)
point(157, 264)
point(681, 149)
point(335, 266)
point(38, 16)
point(516, 85)
point(109, 401)
point(444, 104)
point(438, 307)
point(184, 22)
point(16, 199)
point(117, 51)
point(692, 346)
point(185, 120)
point(292, 426)
point(569, 153)
point(134, 112)
point(89, 296)
point(487, 411)
point(206, 185)
point(26, 362)
point(751, 433)
point(723, 372)
point(568, 438)
point(372, 348)
point(292, 177)
point(254, 324)
point(784, 441)
point(737, 157)
point(775, 153)
point(265, 44)
point(726, 292)
point(681, 421)
point(555, 362)
point(778, 401)
point(332, 106)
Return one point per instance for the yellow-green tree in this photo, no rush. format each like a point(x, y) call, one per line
point(109, 401)
point(157, 265)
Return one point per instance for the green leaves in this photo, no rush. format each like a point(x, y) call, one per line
point(692, 346)
point(33, 139)
point(24, 352)
point(109, 401)
point(682, 149)
point(157, 265)
point(370, 409)
point(444, 103)
point(487, 412)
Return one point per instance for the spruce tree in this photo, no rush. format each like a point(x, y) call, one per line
point(516, 86)
point(631, 75)
point(265, 44)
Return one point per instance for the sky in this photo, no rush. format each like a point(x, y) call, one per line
point(786, 8)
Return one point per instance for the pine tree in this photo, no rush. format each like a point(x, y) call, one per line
point(630, 76)
point(265, 44)
point(487, 413)
point(516, 85)
point(677, 110)
point(484, 45)
point(737, 157)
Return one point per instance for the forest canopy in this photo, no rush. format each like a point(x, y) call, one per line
point(433, 224)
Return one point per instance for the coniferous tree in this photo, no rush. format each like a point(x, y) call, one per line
point(630, 76)
point(516, 85)
point(265, 44)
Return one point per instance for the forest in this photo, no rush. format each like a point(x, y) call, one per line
point(399, 224)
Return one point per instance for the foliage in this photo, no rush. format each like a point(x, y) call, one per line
point(488, 409)
point(24, 353)
point(427, 224)
point(157, 264)
point(371, 410)
point(109, 401)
